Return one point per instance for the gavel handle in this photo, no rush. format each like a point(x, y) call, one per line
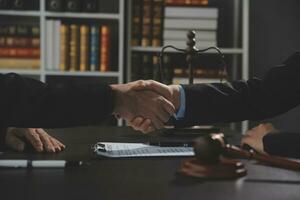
point(271, 160)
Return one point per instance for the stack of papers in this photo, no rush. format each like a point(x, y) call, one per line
point(117, 150)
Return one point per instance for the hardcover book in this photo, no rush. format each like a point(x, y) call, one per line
point(94, 48)
point(105, 48)
point(74, 47)
point(84, 47)
point(147, 23)
point(64, 47)
point(157, 22)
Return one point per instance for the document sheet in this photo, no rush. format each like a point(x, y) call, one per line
point(109, 149)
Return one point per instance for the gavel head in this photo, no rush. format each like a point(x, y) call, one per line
point(209, 148)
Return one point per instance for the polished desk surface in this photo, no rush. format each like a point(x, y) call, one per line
point(134, 178)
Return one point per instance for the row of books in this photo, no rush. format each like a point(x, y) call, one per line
point(146, 66)
point(159, 22)
point(19, 46)
point(187, 2)
point(178, 20)
point(77, 47)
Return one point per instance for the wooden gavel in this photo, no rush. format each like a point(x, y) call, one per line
point(209, 148)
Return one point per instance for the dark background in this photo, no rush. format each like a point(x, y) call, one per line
point(274, 35)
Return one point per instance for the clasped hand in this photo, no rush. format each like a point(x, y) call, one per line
point(145, 105)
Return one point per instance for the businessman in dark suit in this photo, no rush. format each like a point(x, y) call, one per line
point(30, 103)
point(256, 99)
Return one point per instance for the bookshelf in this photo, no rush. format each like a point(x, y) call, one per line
point(42, 15)
point(240, 29)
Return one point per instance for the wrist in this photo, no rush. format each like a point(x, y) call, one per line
point(175, 96)
point(117, 98)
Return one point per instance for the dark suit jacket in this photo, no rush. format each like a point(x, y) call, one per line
point(256, 99)
point(29, 103)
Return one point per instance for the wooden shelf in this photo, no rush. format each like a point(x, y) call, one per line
point(112, 16)
point(21, 71)
point(74, 73)
point(20, 13)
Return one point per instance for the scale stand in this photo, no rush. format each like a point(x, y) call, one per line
point(191, 52)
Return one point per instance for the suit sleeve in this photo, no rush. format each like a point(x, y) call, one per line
point(256, 99)
point(282, 144)
point(29, 103)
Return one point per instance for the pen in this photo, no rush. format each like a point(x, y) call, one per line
point(171, 144)
point(39, 163)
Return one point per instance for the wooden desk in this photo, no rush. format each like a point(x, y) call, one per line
point(139, 178)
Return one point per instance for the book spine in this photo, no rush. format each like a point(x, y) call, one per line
point(198, 24)
point(147, 23)
point(136, 22)
point(34, 31)
point(84, 47)
point(19, 42)
point(167, 70)
point(64, 47)
point(147, 63)
point(94, 48)
point(12, 30)
point(3, 41)
point(136, 66)
point(9, 52)
point(105, 48)
point(157, 21)
point(171, 34)
point(155, 68)
point(74, 47)
point(49, 45)
point(191, 12)
point(56, 45)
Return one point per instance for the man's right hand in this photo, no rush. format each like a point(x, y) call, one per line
point(149, 100)
point(171, 93)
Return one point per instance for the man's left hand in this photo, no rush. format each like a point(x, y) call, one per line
point(39, 139)
point(254, 136)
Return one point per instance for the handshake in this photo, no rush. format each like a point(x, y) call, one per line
point(145, 105)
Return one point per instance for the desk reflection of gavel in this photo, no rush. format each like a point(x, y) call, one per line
point(211, 159)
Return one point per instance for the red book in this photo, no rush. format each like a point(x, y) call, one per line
point(105, 48)
point(19, 52)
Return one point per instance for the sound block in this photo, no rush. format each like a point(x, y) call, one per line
point(224, 169)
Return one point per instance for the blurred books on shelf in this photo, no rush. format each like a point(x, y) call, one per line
point(201, 75)
point(19, 46)
point(78, 47)
point(165, 22)
point(146, 66)
point(187, 2)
